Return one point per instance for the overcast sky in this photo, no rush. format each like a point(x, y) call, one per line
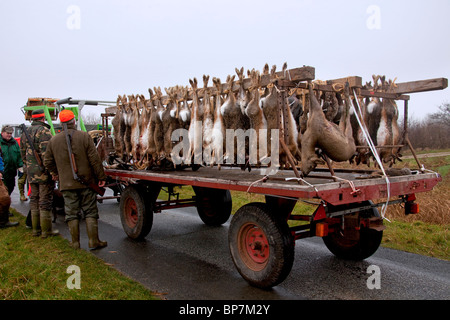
point(99, 49)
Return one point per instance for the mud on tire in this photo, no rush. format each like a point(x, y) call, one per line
point(136, 213)
point(261, 245)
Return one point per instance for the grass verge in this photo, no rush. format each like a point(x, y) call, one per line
point(32, 268)
point(418, 237)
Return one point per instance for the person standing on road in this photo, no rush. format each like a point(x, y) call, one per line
point(41, 183)
point(5, 201)
point(77, 196)
point(11, 157)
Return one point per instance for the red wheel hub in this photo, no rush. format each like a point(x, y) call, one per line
point(254, 246)
point(131, 213)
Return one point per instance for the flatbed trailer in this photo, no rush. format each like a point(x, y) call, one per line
point(260, 239)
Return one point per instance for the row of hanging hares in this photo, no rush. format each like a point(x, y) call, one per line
point(143, 128)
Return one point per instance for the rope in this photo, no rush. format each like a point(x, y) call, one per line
point(263, 179)
point(352, 185)
point(338, 87)
point(431, 171)
point(372, 147)
point(289, 74)
point(306, 182)
point(276, 88)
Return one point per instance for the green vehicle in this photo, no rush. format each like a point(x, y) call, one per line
point(52, 107)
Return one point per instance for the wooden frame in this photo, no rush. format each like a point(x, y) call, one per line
point(300, 78)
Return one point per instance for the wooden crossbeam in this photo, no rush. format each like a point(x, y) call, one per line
point(387, 95)
point(328, 85)
point(298, 74)
point(421, 86)
point(305, 73)
point(353, 82)
point(292, 78)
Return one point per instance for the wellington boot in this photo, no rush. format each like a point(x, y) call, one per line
point(92, 231)
point(22, 196)
point(46, 224)
point(74, 228)
point(35, 223)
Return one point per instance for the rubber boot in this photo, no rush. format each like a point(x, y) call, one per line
point(22, 196)
point(35, 223)
point(46, 224)
point(92, 231)
point(74, 228)
point(21, 183)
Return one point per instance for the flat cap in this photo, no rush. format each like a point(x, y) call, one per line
point(7, 129)
point(39, 113)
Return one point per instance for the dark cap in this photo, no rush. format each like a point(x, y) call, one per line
point(8, 129)
point(39, 113)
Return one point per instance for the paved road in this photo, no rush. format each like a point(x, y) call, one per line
point(185, 259)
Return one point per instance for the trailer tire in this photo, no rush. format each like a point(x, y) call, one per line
point(367, 244)
point(261, 246)
point(213, 205)
point(136, 213)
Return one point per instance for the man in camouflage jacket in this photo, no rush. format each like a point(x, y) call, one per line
point(40, 180)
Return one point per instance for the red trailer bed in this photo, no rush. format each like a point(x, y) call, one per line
point(319, 184)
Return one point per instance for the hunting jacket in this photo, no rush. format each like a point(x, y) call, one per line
point(40, 135)
point(12, 159)
point(87, 160)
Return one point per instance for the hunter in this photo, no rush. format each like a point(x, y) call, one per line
point(77, 196)
point(40, 181)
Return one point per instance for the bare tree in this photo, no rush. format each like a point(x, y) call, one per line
point(433, 131)
point(443, 115)
point(91, 118)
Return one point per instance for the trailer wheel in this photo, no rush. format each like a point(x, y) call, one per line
point(261, 246)
point(361, 247)
point(135, 213)
point(213, 205)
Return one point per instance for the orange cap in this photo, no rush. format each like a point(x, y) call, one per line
point(66, 115)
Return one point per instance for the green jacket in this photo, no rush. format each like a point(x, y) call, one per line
point(40, 135)
point(87, 160)
point(11, 157)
